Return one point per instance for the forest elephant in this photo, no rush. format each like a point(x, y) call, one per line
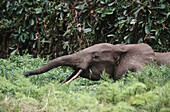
point(116, 60)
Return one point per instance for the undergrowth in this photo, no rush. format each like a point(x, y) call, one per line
point(145, 91)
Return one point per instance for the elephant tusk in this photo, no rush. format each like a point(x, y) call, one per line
point(78, 73)
point(90, 73)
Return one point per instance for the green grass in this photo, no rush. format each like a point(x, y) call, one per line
point(145, 91)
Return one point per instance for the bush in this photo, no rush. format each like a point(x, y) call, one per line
point(147, 90)
point(55, 28)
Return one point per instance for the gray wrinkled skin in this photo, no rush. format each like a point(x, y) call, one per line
point(116, 60)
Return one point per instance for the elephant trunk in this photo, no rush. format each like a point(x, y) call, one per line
point(69, 60)
point(163, 58)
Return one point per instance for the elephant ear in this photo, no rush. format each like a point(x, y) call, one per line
point(132, 57)
point(119, 51)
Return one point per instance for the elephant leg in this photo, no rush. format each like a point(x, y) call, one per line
point(123, 68)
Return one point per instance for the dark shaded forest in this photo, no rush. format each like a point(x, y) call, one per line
point(54, 28)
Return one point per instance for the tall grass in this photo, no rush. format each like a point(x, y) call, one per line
point(145, 91)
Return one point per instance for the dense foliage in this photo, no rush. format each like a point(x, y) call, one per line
point(145, 91)
point(55, 28)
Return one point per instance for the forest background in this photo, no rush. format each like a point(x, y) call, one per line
point(51, 28)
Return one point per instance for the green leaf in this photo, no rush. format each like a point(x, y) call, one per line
point(163, 13)
point(80, 7)
point(67, 32)
point(163, 6)
point(32, 36)
point(47, 18)
point(161, 21)
point(161, 1)
point(38, 10)
point(120, 22)
point(103, 15)
point(45, 41)
point(102, 2)
point(29, 3)
point(42, 29)
point(147, 29)
point(109, 11)
point(34, 45)
point(7, 4)
point(19, 1)
point(99, 10)
point(138, 9)
point(110, 35)
point(140, 40)
point(21, 39)
point(61, 15)
point(87, 30)
point(153, 37)
point(168, 14)
point(126, 37)
point(20, 11)
point(133, 21)
point(14, 35)
point(26, 36)
point(19, 30)
point(110, 4)
point(159, 41)
point(31, 22)
point(65, 46)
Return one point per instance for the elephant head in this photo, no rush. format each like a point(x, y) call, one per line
point(114, 59)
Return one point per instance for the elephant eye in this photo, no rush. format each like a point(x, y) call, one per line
point(95, 56)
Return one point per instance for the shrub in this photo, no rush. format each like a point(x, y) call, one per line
point(55, 28)
point(147, 90)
